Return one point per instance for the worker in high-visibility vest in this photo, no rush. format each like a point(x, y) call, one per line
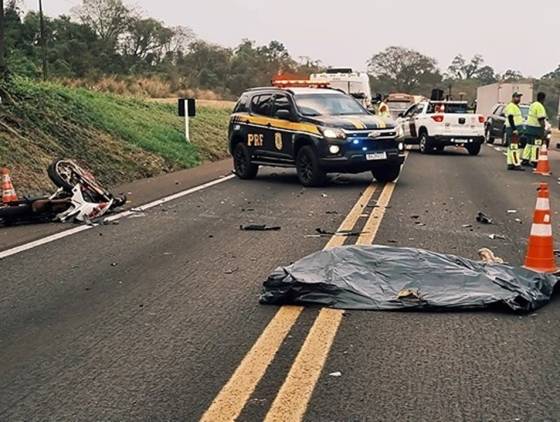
point(514, 119)
point(382, 109)
point(536, 121)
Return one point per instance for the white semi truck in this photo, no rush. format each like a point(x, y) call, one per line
point(353, 83)
point(500, 93)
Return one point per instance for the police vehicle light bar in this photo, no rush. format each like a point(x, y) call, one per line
point(300, 83)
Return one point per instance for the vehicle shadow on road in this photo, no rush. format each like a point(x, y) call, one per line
point(338, 180)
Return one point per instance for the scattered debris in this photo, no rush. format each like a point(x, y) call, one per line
point(518, 220)
point(496, 236)
point(467, 226)
point(231, 271)
point(512, 211)
point(484, 219)
point(420, 224)
point(247, 209)
point(138, 215)
point(259, 227)
point(332, 212)
point(488, 256)
point(364, 215)
point(114, 264)
point(324, 195)
point(348, 233)
point(415, 217)
point(335, 374)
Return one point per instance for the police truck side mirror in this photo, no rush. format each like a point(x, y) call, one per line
point(284, 115)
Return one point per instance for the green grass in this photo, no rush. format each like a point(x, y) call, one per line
point(118, 138)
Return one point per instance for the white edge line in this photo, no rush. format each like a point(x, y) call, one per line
point(79, 229)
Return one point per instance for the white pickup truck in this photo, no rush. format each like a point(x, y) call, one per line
point(433, 125)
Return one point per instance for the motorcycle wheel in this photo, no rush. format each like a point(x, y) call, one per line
point(60, 175)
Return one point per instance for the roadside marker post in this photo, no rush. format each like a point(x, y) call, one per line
point(187, 109)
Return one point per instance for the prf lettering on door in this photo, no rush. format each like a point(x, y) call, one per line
point(255, 140)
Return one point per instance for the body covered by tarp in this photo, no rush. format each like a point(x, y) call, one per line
point(390, 278)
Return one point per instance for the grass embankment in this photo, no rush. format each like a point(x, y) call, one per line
point(119, 138)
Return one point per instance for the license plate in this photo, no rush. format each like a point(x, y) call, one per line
point(461, 141)
point(376, 156)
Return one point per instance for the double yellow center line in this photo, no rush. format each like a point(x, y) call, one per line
point(294, 395)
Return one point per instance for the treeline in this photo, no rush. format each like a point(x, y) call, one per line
point(108, 45)
point(108, 38)
point(404, 70)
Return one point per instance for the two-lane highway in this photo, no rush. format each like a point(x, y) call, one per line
point(149, 319)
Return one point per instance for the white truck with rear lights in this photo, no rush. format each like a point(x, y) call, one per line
point(433, 125)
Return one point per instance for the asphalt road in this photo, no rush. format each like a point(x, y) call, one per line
point(149, 319)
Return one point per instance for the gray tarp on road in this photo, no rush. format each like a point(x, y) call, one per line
point(390, 278)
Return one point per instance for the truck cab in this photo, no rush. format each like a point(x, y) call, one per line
point(346, 80)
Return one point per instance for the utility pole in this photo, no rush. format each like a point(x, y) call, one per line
point(43, 40)
point(2, 43)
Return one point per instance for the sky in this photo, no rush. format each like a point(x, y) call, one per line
point(347, 33)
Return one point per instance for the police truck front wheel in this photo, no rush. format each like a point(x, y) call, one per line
point(244, 169)
point(387, 174)
point(308, 169)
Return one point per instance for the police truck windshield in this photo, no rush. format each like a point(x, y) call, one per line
point(328, 105)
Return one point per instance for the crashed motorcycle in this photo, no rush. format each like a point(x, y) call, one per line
point(79, 198)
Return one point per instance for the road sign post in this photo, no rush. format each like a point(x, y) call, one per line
point(187, 109)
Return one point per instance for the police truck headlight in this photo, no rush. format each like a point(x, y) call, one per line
point(401, 146)
point(333, 133)
point(334, 149)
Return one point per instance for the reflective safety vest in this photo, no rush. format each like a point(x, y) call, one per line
point(536, 112)
point(383, 110)
point(513, 110)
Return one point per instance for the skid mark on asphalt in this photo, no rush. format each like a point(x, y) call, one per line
point(294, 395)
point(231, 400)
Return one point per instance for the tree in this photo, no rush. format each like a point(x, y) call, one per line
point(555, 74)
point(146, 40)
point(486, 75)
point(404, 69)
point(461, 69)
point(511, 76)
point(109, 19)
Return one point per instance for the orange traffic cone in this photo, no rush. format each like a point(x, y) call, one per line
point(8, 191)
point(543, 168)
point(540, 250)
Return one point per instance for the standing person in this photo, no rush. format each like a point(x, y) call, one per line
point(382, 109)
point(514, 119)
point(536, 122)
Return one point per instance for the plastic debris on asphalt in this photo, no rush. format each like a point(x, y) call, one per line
point(496, 237)
point(488, 256)
point(484, 219)
point(392, 278)
point(259, 227)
